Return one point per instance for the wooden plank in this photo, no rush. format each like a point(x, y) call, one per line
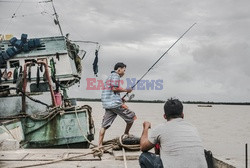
point(24, 156)
point(49, 156)
point(43, 157)
point(129, 155)
point(83, 158)
point(12, 156)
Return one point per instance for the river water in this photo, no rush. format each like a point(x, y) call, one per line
point(224, 129)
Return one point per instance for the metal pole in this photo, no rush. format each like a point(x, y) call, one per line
point(81, 41)
point(246, 156)
point(57, 18)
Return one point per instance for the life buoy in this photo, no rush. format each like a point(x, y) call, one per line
point(9, 74)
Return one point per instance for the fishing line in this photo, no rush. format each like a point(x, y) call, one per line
point(160, 58)
point(13, 16)
point(26, 15)
point(5, 1)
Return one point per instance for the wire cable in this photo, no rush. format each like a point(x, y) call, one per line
point(13, 16)
point(31, 98)
point(5, 1)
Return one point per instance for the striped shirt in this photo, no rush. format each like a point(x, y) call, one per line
point(111, 99)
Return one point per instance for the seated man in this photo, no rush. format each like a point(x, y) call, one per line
point(180, 144)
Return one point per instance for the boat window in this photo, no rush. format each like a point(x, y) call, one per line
point(43, 59)
point(3, 63)
point(3, 66)
point(30, 60)
point(14, 64)
point(4, 93)
point(41, 47)
point(42, 87)
point(2, 47)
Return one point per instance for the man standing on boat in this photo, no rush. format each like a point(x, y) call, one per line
point(179, 143)
point(113, 104)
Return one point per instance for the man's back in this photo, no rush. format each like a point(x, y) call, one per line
point(109, 98)
point(180, 143)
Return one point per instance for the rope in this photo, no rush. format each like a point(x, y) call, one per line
point(7, 131)
point(129, 147)
point(78, 121)
point(44, 117)
point(31, 98)
point(124, 158)
point(74, 81)
point(44, 123)
point(94, 152)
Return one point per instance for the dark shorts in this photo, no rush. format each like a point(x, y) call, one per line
point(150, 160)
point(110, 115)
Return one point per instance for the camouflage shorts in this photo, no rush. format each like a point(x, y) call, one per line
point(110, 115)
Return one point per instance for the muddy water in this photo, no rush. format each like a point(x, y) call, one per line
point(224, 129)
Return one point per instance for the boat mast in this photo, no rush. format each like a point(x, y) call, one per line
point(56, 20)
point(56, 17)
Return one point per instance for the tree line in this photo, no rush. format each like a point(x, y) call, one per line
point(184, 102)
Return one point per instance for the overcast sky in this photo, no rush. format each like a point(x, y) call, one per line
point(211, 62)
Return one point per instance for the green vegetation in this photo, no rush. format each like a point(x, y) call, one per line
point(134, 101)
point(224, 103)
point(161, 101)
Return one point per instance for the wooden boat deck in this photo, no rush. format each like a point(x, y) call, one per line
point(24, 157)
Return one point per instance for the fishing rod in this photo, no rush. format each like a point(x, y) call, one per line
point(159, 59)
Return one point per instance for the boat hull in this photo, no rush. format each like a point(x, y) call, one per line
point(11, 130)
point(67, 129)
point(70, 128)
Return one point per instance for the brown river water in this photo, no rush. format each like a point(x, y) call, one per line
point(224, 129)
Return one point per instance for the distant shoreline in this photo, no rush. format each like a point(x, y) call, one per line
point(161, 101)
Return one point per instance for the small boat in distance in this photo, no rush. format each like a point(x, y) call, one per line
point(204, 105)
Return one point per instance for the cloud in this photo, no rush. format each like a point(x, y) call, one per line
point(210, 63)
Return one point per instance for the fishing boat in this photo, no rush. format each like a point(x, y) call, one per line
point(33, 96)
point(35, 74)
point(35, 109)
